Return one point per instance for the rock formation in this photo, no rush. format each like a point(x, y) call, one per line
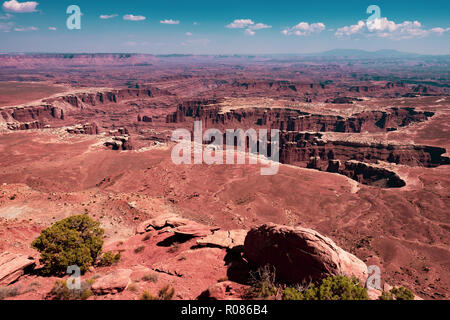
point(225, 290)
point(119, 143)
point(13, 266)
point(24, 125)
point(30, 117)
point(300, 254)
point(224, 239)
point(302, 141)
point(88, 128)
point(178, 225)
point(295, 120)
point(161, 222)
point(112, 283)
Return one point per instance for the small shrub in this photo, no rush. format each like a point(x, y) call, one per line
point(147, 296)
point(109, 258)
point(139, 249)
point(133, 287)
point(7, 292)
point(60, 291)
point(292, 294)
point(263, 283)
point(395, 293)
point(147, 237)
point(331, 288)
point(266, 291)
point(152, 277)
point(76, 240)
point(166, 293)
point(402, 293)
point(386, 295)
point(264, 286)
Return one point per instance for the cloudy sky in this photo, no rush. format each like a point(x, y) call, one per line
point(225, 27)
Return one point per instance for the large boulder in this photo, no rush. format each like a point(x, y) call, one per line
point(13, 266)
point(112, 283)
point(300, 254)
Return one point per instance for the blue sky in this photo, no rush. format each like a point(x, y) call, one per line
point(224, 27)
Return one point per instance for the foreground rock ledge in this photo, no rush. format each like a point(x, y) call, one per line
point(13, 266)
point(300, 254)
point(112, 283)
point(224, 239)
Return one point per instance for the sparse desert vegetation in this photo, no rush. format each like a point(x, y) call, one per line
point(109, 258)
point(76, 240)
point(151, 277)
point(139, 249)
point(165, 293)
point(61, 291)
point(395, 293)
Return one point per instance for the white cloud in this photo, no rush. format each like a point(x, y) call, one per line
point(249, 32)
point(389, 29)
point(20, 7)
point(170, 21)
point(360, 27)
point(240, 23)
point(23, 29)
point(440, 31)
point(249, 25)
point(259, 26)
point(131, 17)
point(349, 30)
point(189, 34)
point(384, 28)
point(108, 16)
point(304, 29)
point(52, 28)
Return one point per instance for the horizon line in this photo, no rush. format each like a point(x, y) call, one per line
point(229, 54)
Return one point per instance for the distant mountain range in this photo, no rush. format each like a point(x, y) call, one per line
point(363, 53)
point(358, 54)
point(331, 54)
